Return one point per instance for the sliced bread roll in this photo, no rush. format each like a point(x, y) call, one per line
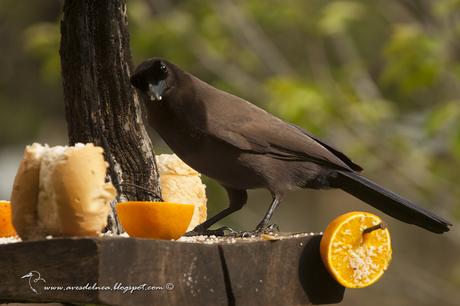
point(24, 197)
point(181, 184)
point(61, 191)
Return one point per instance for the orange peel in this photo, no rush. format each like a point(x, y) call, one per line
point(158, 220)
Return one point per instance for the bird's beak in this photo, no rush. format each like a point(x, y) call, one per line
point(27, 275)
point(156, 90)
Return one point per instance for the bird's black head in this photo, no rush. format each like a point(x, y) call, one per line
point(154, 78)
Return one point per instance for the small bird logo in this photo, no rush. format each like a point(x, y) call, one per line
point(34, 277)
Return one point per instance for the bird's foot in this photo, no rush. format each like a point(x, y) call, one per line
point(270, 229)
point(221, 231)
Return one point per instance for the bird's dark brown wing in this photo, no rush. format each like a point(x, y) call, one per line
point(250, 128)
point(336, 152)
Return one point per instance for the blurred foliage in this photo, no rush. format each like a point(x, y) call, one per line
point(347, 70)
point(30, 87)
point(413, 53)
point(41, 40)
point(337, 14)
point(378, 79)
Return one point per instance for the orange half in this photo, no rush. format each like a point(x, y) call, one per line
point(6, 224)
point(158, 220)
point(356, 258)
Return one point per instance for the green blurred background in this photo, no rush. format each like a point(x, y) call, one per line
point(378, 79)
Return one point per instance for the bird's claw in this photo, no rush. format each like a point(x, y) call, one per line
point(221, 231)
point(271, 229)
point(229, 232)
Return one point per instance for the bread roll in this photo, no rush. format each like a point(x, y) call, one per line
point(181, 184)
point(24, 196)
point(61, 191)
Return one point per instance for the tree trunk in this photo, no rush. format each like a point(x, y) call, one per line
point(101, 106)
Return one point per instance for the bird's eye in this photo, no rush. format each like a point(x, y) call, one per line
point(163, 68)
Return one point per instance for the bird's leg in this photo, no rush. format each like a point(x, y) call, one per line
point(272, 228)
point(237, 199)
point(263, 225)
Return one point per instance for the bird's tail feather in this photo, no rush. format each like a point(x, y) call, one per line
point(388, 202)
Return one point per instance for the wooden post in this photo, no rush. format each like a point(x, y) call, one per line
point(100, 104)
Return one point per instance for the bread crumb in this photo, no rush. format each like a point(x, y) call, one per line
point(12, 239)
point(229, 239)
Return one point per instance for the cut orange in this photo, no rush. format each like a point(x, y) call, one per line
point(159, 220)
point(6, 225)
point(356, 249)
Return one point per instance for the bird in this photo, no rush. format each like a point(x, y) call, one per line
point(244, 147)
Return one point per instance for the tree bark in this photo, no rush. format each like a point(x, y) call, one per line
point(100, 104)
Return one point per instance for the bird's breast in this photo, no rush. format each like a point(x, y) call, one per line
point(175, 131)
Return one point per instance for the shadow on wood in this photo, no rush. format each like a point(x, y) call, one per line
point(119, 271)
point(318, 284)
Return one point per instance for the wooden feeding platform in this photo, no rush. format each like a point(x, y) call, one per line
point(221, 271)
